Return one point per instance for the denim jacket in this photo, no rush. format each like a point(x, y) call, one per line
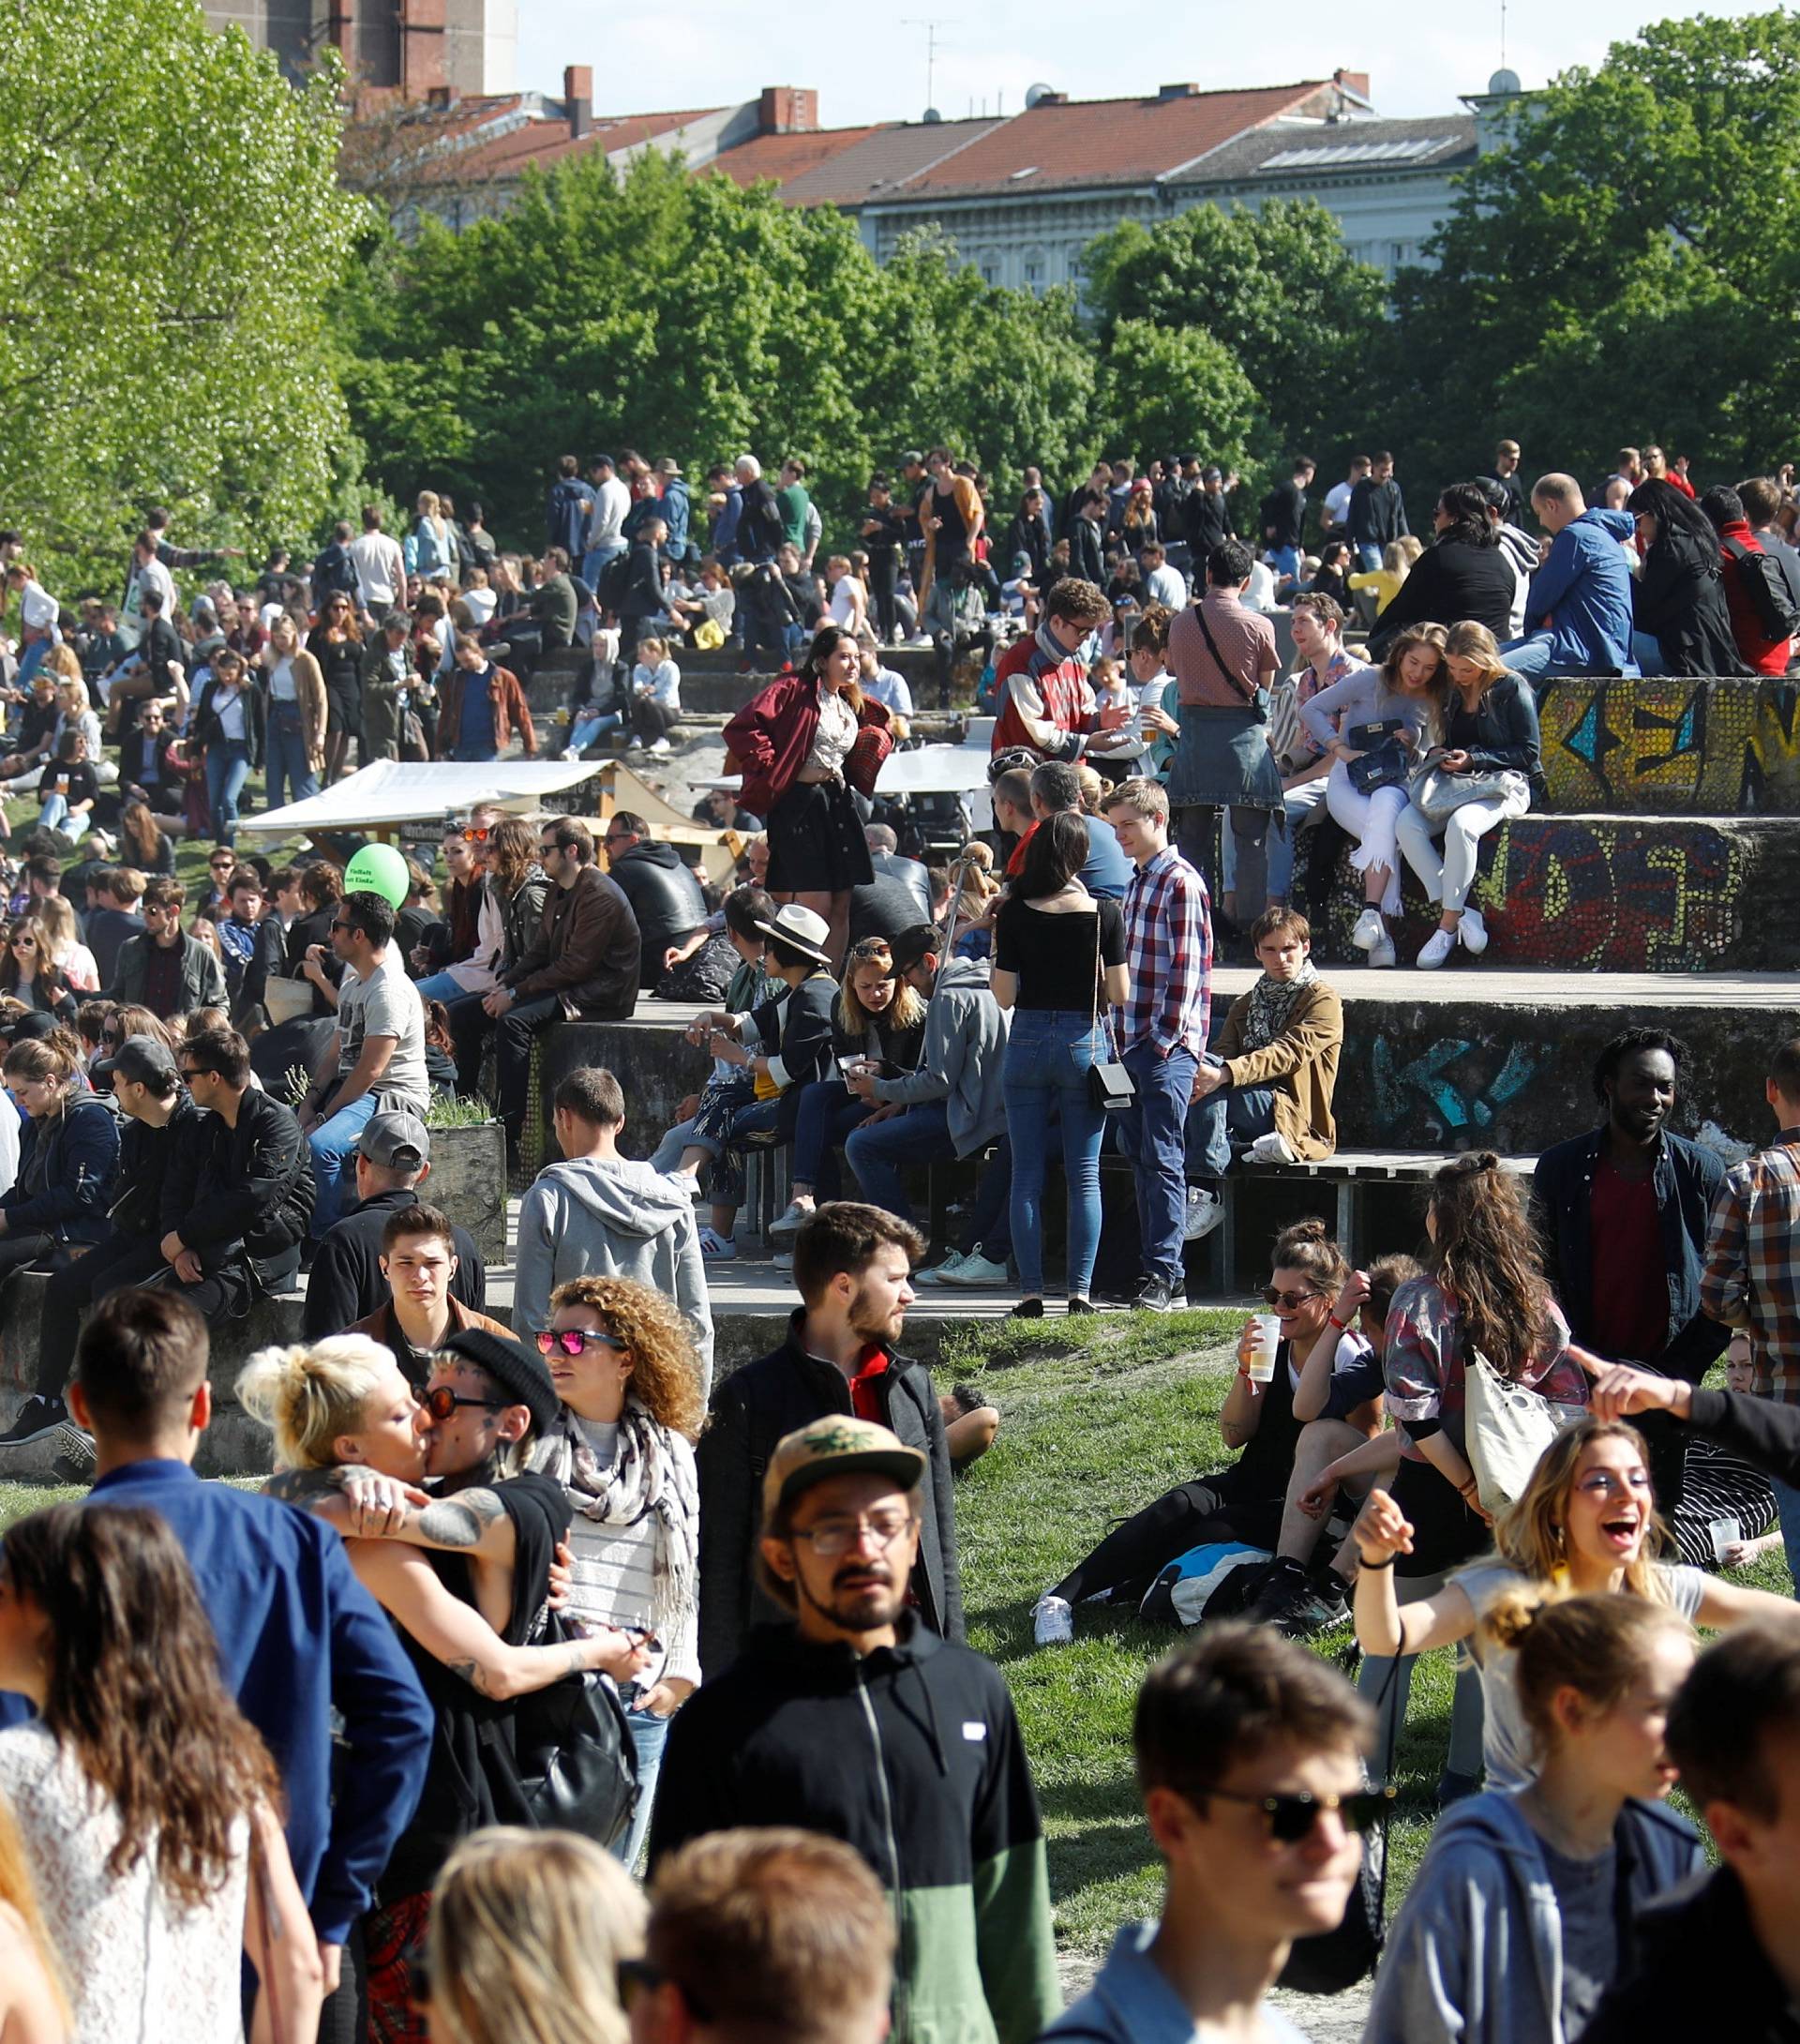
point(1131, 2002)
point(1686, 1178)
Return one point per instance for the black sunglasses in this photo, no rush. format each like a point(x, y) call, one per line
point(1291, 1302)
point(572, 1340)
point(1291, 1818)
point(441, 1404)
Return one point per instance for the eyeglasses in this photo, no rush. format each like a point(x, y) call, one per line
point(221, 866)
point(189, 1072)
point(338, 924)
point(1291, 1818)
point(476, 838)
point(441, 1404)
point(1288, 1302)
point(572, 1340)
point(840, 1535)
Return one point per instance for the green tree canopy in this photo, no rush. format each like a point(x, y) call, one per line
point(1274, 290)
point(684, 315)
point(171, 229)
point(1624, 266)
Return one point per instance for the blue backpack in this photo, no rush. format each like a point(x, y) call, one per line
point(1207, 1582)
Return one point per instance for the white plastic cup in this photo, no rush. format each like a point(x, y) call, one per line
point(1726, 1534)
point(1265, 1341)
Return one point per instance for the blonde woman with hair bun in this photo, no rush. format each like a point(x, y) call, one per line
point(528, 1932)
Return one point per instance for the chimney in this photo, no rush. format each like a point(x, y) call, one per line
point(1355, 82)
point(423, 61)
point(1050, 99)
point(578, 97)
point(787, 110)
point(1188, 91)
point(340, 29)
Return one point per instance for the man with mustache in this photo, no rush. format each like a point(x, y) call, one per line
point(1622, 1213)
point(855, 1720)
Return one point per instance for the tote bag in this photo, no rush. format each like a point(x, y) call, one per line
point(1506, 1427)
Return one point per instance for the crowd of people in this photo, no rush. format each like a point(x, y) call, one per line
point(375, 1754)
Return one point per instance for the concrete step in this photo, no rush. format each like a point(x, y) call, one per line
point(1673, 748)
point(1461, 1059)
point(1616, 894)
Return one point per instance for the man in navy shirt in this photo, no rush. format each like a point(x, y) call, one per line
point(298, 1636)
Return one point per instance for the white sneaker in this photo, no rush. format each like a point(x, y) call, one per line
point(939, 1272)
point(1053, 1623)
point(1272, 1149)
point(976, 1268)
point(1438, 946)
point(569, 753)
point(1382, 954)
point(792, 1220)
point(662, 748)
point(1370, 930)
point(1473, 932)
point(1205, 1212)
point(714, 1244)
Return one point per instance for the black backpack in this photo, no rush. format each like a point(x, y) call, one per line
point(1760, 577)
point(613, 581)
point(576, 1765)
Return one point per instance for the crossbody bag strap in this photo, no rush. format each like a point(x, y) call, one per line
point(1212, 647)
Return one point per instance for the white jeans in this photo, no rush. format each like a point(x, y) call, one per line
point(1446, 880)
point(1371, 820)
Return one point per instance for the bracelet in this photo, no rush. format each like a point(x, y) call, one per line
point(1368, 1563)
point(1342, 1326)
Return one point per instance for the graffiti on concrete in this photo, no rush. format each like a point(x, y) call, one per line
point(1671, 745)
point(1463, 1090)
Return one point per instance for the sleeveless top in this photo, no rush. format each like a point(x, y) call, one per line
point(141, 1968)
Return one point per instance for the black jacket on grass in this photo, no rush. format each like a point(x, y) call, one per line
point(913, 1755)
point(752, 1410)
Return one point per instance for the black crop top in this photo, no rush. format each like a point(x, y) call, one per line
point(1053, 955)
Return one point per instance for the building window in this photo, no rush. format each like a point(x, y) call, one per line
point(990, 268)
point(1032, 269)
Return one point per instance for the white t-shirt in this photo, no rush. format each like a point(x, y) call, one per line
point(1337, 502)
point(1164, 585)
point(381, 570)
point(385, 1004)
point(1507, 1741)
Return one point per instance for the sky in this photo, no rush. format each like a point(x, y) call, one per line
point(868, 67)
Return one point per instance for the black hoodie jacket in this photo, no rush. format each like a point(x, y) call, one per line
point(753, 1409)
point(913, 1755)
point(666, 898)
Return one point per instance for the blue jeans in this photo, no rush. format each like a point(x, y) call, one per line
point(596, 558)
point(1529, 657)
point(228, 767)
point(1048, 1057)
point(287, 764)
point(587, 728)
point(829, 1111)
point(1245, 1112)
point(1151, 1135)
point(1285, 561)
point(1368, 559)
point(649, 1736)
point(1647, 652)
point(333, 1144)
point(1787, 1507)
point(53, 813)
point(921, 1135)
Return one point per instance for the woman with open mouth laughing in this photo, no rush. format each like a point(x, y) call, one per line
point(1586, 1523)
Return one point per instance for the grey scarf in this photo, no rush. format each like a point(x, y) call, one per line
point(1271, 1002)
point(644, 1479)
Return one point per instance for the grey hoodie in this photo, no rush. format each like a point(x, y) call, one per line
point(1475, 1954)
point(592, 1217)
point(964, 1049)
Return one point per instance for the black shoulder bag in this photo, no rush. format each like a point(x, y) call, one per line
point(1109, 1085)
point(572, 1745)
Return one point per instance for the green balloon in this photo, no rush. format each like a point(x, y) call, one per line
point(378, 869)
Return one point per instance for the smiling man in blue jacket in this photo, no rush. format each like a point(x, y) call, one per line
point(299, 1637)
point(1578, 610)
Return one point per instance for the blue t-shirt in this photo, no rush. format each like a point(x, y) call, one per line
point(475, 727)
point(1356, 1376)
point(1108, 871)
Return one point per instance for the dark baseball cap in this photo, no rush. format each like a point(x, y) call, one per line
point(33, 1023)
point(395, 1142)
point(919, 941)
point(142, 1059)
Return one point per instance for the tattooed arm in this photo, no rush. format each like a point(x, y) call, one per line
point(363, 1505)
point(405, 1586)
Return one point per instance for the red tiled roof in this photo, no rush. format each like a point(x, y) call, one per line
point(548, 141)
point(786, 157)
point(1081, 142)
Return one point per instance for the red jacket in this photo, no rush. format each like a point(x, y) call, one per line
point(770, 737)
point(1052, 714)
point(1766, 655)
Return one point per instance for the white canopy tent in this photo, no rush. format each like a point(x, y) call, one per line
point(381, 800)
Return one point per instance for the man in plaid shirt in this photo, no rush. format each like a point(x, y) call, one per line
point(1751, 1282)
point(1162, 1027)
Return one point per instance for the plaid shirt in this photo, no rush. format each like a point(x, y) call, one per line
point(1168, 950)
point(1752, 1274)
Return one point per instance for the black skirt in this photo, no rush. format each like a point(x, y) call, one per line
point(1444, 1531)
point(816, 842)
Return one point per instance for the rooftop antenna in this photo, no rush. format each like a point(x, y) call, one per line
point(931, 25)
point(1503, 34)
